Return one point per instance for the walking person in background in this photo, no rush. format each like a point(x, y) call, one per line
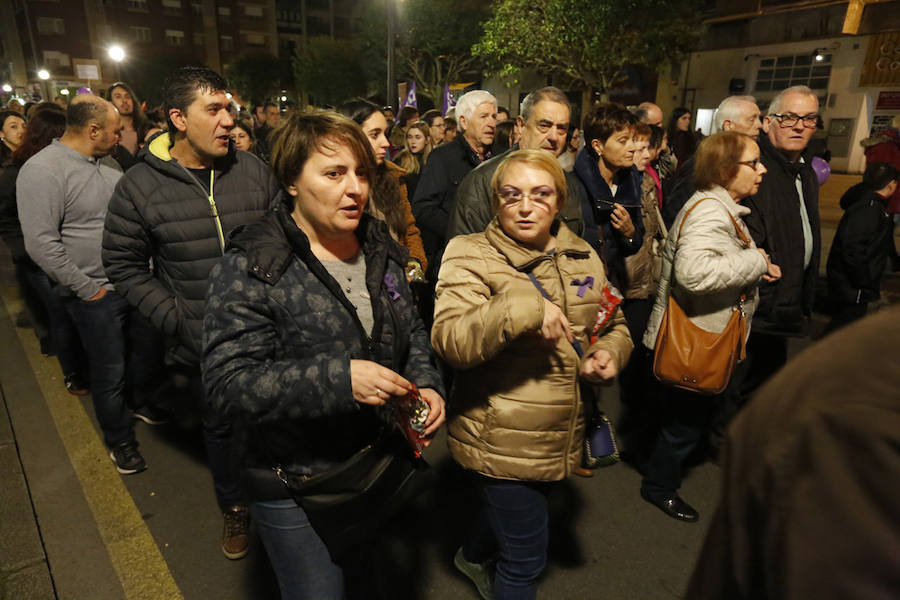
point(12, 132)
point(520, 348)
point(389, 200)
point(862, 245)
point(47, 124)
point(62, 193)
point(435, 123)
point(682, 140)
point(305, 383)
point(243, 137)
point(415, 154)
point(166, 229)
point(707, 266)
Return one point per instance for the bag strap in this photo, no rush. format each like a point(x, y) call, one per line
point(575, 343)
point(741, 235)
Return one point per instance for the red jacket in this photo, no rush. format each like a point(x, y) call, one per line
point(885, 147)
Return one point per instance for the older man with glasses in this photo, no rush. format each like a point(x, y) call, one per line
point(784, 221)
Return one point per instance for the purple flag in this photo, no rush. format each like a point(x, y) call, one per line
point(410, 99)
point(449, 102)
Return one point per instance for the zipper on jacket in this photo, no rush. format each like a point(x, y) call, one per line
point(215, 211)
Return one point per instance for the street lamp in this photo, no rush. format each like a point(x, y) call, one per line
point(117, 53)
point(64, 91)
point(44, 74)
point(7, 88)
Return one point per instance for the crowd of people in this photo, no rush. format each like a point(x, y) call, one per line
point(301, 276)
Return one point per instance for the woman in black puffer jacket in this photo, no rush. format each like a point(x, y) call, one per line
point(309, 331)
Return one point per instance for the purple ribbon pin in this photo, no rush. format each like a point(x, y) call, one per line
point(390, 282)
point(583, 285)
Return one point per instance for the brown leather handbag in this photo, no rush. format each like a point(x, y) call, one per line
point(692, 358)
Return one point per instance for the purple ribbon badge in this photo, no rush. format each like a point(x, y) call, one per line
point(583, 285)
point(390, 282)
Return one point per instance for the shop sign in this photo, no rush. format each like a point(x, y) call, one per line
point(882, 66)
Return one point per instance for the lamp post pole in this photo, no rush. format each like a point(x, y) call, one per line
point(390, 53)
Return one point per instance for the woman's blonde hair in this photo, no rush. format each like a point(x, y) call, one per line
point(536, 159)
point(406, 158)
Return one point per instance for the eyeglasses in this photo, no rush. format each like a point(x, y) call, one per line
point(511, 196)
point(790, 119)
point(753, 164)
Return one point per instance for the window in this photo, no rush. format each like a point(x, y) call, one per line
point(778, 73)
point(171, 7)
point(55, 60)
point(226, 42)
point(137, 5)
point(50, 26)
point(253, 11)
point(224, 11)
point(174, 37)
point(197, 10)
point(256, 40)
point(140, 34)
point(198, 39)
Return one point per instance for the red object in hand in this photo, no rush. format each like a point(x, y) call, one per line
point(410, 414)
point(610, 299)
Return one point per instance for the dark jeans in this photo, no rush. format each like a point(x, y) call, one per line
point(63, 332)
point(685, 418)
point(513, 519)
point(218, 437)
point(298, 556)
point(111, 339)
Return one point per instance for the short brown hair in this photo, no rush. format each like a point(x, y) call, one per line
point(538, 159)
point(716, 159)
point(642, 130)
point(301, 134)
point(603, 121)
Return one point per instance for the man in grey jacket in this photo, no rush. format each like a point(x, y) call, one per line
point(173, 210)
point(544, 119)
point(73, 178)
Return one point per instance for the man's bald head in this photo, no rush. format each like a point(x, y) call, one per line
point(649, 113)
point(85, 110)
point(95, 123)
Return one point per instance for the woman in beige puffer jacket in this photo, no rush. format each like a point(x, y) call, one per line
point(517, 417)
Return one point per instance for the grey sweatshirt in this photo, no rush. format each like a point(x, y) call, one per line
point(62, 197)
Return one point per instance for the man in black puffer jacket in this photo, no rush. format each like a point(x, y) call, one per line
point(165, 230)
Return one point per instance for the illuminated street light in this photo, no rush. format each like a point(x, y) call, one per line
point(7, 88)
point(284, 98)
point(44, 74)
point(64, 91)
point(117, 53)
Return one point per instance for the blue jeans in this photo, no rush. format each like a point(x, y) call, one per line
point(513, 519)
point(63, 332)
point(298, 556)
point(110, 331)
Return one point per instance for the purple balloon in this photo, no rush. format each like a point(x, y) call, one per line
point(83, 90)
point(822, 169)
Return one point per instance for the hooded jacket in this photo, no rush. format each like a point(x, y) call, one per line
point(164, 232)
point(279, 335)
point(863, 243)
point(776, 226)
point(596, 207)
point(885, 147)
point(516, 411)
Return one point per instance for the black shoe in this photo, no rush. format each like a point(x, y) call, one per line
point(152, 415)
point(127, 458)
point(673, 506)
point(76, 386)
point(47, 348)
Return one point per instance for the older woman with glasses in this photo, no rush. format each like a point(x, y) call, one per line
point(520, 314)
point(707, 266)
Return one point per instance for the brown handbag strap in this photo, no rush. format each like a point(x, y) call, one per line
point(743, 237)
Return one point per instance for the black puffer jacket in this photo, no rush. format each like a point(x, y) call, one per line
point(862, 245)
point(279, 334)
point(160, 211)
point(776, 226)
point(433, 203)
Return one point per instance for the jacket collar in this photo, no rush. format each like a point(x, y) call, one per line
point(156, 154)
point(271, 242)
point(724, 198)
point(627, 194)
point(775, 159)
point(470, 155)
point(523, 258)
